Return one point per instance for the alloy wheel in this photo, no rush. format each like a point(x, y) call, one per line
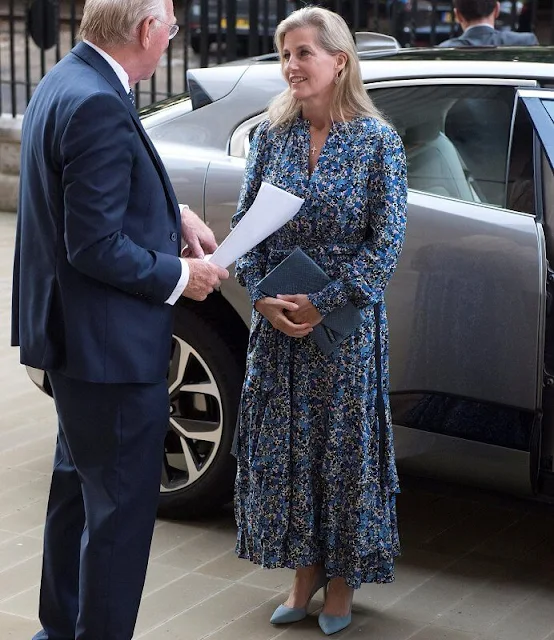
point(196, 418)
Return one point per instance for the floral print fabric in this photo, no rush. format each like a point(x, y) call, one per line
point(316, 479)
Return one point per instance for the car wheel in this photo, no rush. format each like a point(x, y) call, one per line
point(205, 380)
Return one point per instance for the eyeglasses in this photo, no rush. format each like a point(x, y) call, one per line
point(173, 28)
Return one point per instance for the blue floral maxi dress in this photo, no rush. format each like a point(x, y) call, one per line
point(316, 483)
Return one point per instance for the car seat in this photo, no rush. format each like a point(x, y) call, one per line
point(434, 164)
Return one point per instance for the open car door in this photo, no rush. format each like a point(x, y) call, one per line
point(539, 105)
point(467, 311)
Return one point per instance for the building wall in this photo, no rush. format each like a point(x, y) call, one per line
point(10, 145)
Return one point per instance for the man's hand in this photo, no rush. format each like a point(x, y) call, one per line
point(198, 237)
point(276, 310)
point(305, 312)
point(204, 277)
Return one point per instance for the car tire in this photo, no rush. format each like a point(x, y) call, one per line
point(205, 381)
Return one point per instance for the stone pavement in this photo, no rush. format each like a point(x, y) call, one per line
point(474, 565)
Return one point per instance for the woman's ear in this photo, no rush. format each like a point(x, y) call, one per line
point(341, 61)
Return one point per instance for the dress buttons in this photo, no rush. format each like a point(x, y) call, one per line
point(173, 237)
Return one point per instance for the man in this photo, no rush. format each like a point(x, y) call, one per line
point(97, 269)
point(477, 19)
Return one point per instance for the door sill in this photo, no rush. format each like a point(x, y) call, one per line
point(433, 455)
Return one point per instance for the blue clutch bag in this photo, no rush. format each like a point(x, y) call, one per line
point(298, 273)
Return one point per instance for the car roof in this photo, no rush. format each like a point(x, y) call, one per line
point(485, 54)
point(406, 67)
point(494, 62)
point(259, 78)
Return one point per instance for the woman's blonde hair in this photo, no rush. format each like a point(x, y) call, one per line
point(113, 22)
point(349, 99)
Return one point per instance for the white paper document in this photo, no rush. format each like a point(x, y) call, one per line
point(271, 209)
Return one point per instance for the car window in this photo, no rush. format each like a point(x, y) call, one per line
point(520, 188)
point(456, 137)
point(239, 144)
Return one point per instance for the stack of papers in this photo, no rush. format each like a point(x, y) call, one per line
point(272, 208)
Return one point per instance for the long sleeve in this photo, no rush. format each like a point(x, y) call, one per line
point(97, 155)
point(250, 269)
point(362, 280)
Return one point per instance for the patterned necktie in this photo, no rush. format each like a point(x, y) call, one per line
point(131, 97)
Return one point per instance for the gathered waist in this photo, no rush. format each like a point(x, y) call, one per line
point(317, 251)
point(328, 257)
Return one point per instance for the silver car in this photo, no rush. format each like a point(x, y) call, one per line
point(470, 305)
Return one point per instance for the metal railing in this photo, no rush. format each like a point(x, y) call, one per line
point(35, 34)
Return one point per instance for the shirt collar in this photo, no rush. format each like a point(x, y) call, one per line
point(114, 64)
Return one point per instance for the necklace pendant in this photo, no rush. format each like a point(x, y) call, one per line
point(314, 149)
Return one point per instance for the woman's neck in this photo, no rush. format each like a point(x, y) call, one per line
point(318, 121)
point(318, 112)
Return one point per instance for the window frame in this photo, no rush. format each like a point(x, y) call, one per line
point(477, 81)
point(239, 141)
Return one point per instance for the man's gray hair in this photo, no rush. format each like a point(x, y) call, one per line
point(114, 22)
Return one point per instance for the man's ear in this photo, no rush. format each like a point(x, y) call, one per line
point(458, 17)
point(145, 32)
point(496, 10)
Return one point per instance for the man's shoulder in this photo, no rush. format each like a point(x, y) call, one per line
point(71, 81)
point(515, 38)
point(68, 67)
point(453, 42)
point(485, 37)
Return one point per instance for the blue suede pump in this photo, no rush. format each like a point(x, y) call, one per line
point(286, 615)
point(332, 624)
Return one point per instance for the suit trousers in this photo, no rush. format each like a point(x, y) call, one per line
point(102, 507)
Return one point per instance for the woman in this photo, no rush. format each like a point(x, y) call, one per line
point(316, 482)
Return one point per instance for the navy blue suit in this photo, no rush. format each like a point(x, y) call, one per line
point(97, 248)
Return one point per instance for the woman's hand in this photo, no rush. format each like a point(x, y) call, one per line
point(305, 312)
point(277, 310)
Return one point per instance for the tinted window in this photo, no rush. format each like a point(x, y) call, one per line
point(520, 190)
point(456, 137)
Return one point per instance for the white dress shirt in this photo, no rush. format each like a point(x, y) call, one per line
point(124, 79)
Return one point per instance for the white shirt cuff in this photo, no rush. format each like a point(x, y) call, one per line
point(181, 285)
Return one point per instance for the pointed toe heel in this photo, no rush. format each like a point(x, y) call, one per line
point(288, 615)
point(333, 624)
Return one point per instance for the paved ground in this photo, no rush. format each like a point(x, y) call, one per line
point(474, 566)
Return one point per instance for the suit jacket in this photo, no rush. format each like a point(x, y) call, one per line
point(483, 36)
point(98, 233)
